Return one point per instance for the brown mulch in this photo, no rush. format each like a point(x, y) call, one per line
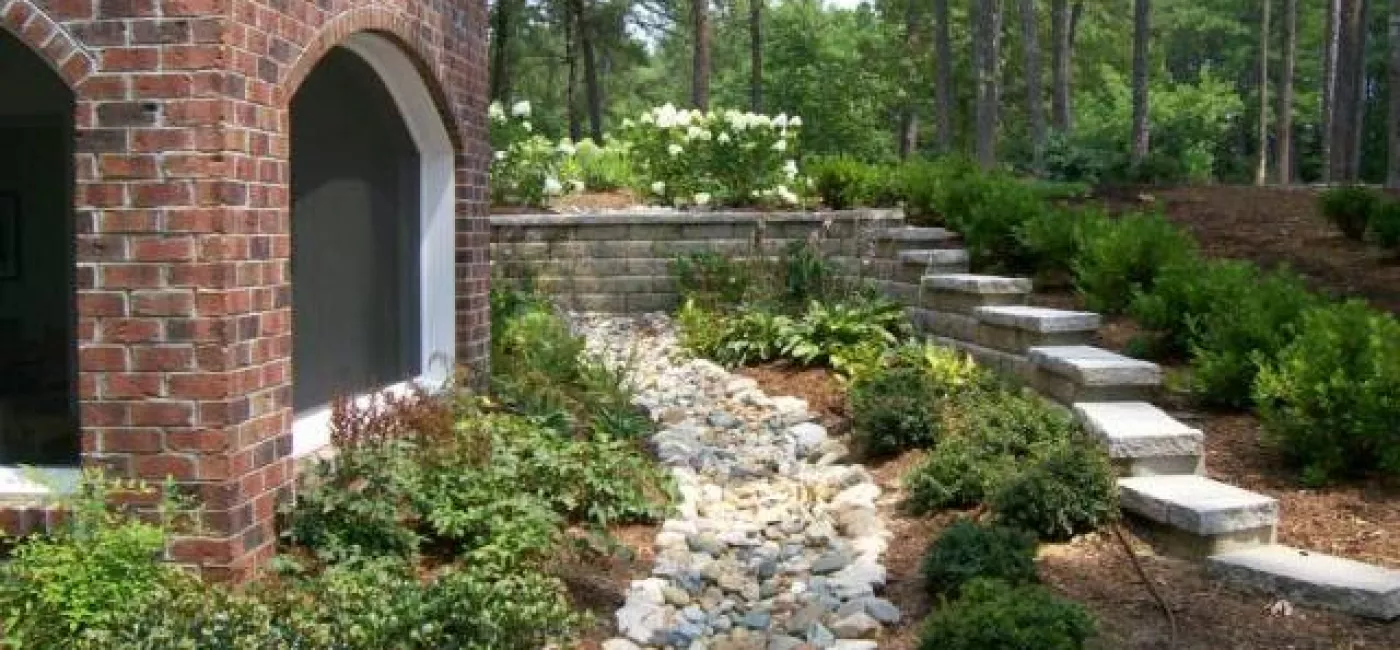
point(825, 394)
point(1095, 570)
point(598, 584)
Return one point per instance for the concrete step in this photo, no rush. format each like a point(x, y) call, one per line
point(1082, 373)
point(912, 266)
point(962, 293)
point(1309, 578)
point(1142, 439)
point(1195, 517)
point(904, 292)
point(1017, 328)
point(889, 242)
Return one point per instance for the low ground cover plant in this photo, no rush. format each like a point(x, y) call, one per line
point(994, 614)
point(967, 550)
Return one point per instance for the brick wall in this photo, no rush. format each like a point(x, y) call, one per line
point(181, 207)
point(619, 262)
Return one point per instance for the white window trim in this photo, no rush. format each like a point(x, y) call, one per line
point(22, 485)
point(437, 233)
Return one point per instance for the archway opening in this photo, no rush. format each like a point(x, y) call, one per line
point(38, 350)
point(371, 228)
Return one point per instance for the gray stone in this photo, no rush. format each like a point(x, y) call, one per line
point(856, 626)
point(819, 636)
point(644, 622)
point(705, 543)
point(950, 257)
point(854, 644)
point(882, 610)
point(620, 644)
point(977, 284)
point(1196, 504)
point(783, 642)
point(757, 620)
point(1090, 366)
point(830, 562)
point(916, 234)
point(1138, 430)
point(1041, 320)
point(1309, 578)
point(723, 420)
point(808, 437)
point(675, 596)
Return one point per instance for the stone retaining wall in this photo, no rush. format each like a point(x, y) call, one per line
point(619, 262)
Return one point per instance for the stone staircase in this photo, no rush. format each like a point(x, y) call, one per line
point(1162, 488)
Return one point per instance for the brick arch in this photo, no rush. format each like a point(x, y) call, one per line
point(396, 27)
point(49, 40)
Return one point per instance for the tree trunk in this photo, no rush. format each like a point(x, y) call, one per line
point(502, 22)
point(943, 84)
point(1284, 147)
point(756, 55)
point(1331, 43)
point(1059, 65)
point(571, 87)
point(592, 94)
point(700, 60)
point(1348, 96)
point(1261, 169)
point(1035, 102)
point(1392, 172)
point(1075, 13)
point(909, 117)
point(987, 48)
point(1142, 17)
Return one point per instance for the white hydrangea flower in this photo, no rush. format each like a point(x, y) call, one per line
point(786, 195)
point(658, 188)
point(780, 145)
point(781, 121)
point(795, 121)
point(627, 123)
point(723, 138)
point(526, 126)
point(496, 112)
point(674, 149)
point(552, 186)
point(567, 148)
point(576, 186)
point(520, 109)
point(790, 168)
point(500, 155)
point(702, 198)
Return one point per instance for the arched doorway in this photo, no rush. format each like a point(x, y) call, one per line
point(372, 206)
point(38, 374)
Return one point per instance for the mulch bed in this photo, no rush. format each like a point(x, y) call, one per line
point(598, 584)
point(1095, 569)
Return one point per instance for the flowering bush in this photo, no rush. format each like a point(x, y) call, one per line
point(527, 168)
point(686, 157)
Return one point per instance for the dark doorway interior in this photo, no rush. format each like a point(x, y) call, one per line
point(355, 258)
point(38, 407)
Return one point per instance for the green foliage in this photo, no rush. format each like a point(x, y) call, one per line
point(992, 615)
point(1331, 399)
point(967, 550)
point(843, 182)
point(753, 335)
point(952, 372)
point(1350, 208)
point(843, 335)
point(604, 168)
point(990, 210)
point(699, 330)
point(526, 168)
point(1053, 238)
point(1125, 258)
point(359, 504)
point(1385, 224)
point(1070, 489)
point(807, 274)
point(711, 279)
point(1184, 293)
point(893, 410)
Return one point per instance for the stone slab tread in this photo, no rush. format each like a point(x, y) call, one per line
point(1042, 320)
point(1196, 504)
point(976, 284)
point(1090, 366)
point(1311, 578)
point(1138, 430)
point(936, 257)
point(910, 233)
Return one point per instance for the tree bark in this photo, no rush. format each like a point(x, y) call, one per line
point(987, 47)
point(571, 87)
point(1284, 147)
point(909, 117)
point(1347, 100)
point(502, 23)
point(1059, 65)
point(943, 83)
point(1261, 169)
point(1330, 44)
point(583, 27)
point(756, 55)
point(1142, 20)
point(1392, 172)
point(700, 60)
point(1035, 101)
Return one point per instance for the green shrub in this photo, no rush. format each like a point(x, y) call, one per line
point(194, 615)
point(605, 168)
point(1052, 238)
point(989, 211)
point(1125, 258)
point(967, 550)
point(1331, 399)
point(1185, 293)
point(1230, 342)
point(893, 410)
point(808, 275)
point(699, 330)
point(1385, 223)
point(843, 334)
point(843, 183)
point(1349, 208)
point(952, 371)
point(992, 615)
point(1069, 489)
point(362, 503)
point(754, 335)
point(927, 188)
point(711, 279)
point(958, 473)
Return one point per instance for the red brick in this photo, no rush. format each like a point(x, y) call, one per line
point(132, 441)
point(129, 330)
point(127, 59)
point(162, 303)
point(199, 386)
point(129, 276)
point(113, 167)
point(162, 358)
point(159, 467)
point(131, 385)
point(161, 414)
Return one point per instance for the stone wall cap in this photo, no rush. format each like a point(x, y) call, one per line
point(662, 216)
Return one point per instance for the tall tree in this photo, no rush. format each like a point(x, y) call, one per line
point(1142, 21)
point(1261, 169)
point(1331, 43)
point(503, 16)
point(1035, 102)
point(1349, 94)
point(1392, 172)
point(571, 86)
point(909, 116)
point(584, 27)
point(943, 82)
point(700, 58)
point(1284, 146)
point(987, 50)
point(1059, 65)
point(756, 55)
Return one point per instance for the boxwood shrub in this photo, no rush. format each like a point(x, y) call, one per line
point(1070, 489)
point(993, 615)
point(1350, 208)
point(968, 550)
